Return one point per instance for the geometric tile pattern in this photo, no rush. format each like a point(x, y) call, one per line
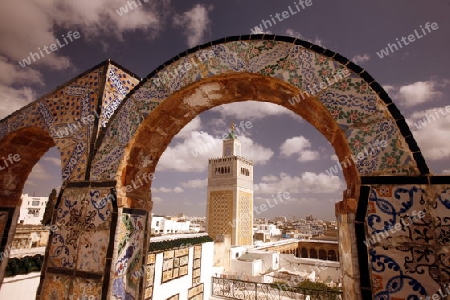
point(352, 102)
point(408, 238)
point(196, 292)
point(69, 114)
point(220, 214)
point(175, 264)
point(245, 211)
point(196, 266)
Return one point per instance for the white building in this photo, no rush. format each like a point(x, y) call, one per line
point(32, 209)
point(164, 226)
point(183, 273)
point(268, 229)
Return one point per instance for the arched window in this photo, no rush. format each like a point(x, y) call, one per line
point(332, 255)
point(312, 253)
point(322, 254)
point(304, 253)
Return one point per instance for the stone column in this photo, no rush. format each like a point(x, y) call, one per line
point(348, 252)
point(9, 215)
point(79, 251)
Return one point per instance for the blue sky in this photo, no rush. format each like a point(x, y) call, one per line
point(289, 154)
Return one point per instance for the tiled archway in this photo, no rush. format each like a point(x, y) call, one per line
point(344, 103)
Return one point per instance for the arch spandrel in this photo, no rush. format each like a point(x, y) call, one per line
point(355, 106)
point(68, 115)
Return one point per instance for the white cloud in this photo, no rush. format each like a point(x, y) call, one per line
point(176, 190)
point(360, 59)
point(446, 171)
point(251, 110)
point(157, 199)
point(334, 157)
point(39, 173)
point(192, 153)
point(291, 32)
point(415, 93)
point(306, 183)
point(433, 137)
point(300, 147)
point(195, 183)
point(194, 23)
point(53, 160)
point(269, 178)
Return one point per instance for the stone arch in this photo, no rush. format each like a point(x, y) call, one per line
point(353, 114)
point(312, 253)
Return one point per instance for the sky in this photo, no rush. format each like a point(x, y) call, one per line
point(289, 154)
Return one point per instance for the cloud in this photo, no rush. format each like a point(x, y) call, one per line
point(446, 171)
point(251, 110)
point(53, 160)
point(334, 157)
point(176, 190)
point(306, 183)
point(415, 93)
point(269, 178)
point(157, 199)
point(39, 173)
point(194, 23)
point(299, 146)
point(195, 183)
point(296, 34)
point(192, 153)
point(360, 59)
point(432, 133)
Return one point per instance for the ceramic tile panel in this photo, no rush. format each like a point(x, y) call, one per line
point(404, 272)
point(399, 214)
point(56, 287)
point(88, 289)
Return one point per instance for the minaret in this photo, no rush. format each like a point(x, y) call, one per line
point(230, 194)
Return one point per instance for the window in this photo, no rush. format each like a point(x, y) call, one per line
point(35, 203)
point(157, 223)
point(245, 171)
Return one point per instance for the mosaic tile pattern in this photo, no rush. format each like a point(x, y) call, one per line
point(353, 104)
point(128, 255)
point(196, 292)
point(69, 113)
point(407, 249)
point(56, 287)
point(83, 218)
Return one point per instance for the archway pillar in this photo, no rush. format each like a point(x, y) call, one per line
point(9, 215)
point(348, 252)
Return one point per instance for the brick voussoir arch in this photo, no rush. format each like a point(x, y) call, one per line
point(311, 62)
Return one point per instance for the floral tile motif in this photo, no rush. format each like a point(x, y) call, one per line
point(56, 287)
point(403, 272)
point(92, 251)
point(84, 217)
point(442, 217)
point(399, 214)
point(86, 289)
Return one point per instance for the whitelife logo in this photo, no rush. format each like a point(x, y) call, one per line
point(53, 47)
point(411, 38)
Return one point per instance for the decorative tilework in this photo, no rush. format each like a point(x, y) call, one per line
point(220, 213)
point(197, 265)
point(196, 292)
point(411, 261)
point(351, 101)
point(245, 209)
